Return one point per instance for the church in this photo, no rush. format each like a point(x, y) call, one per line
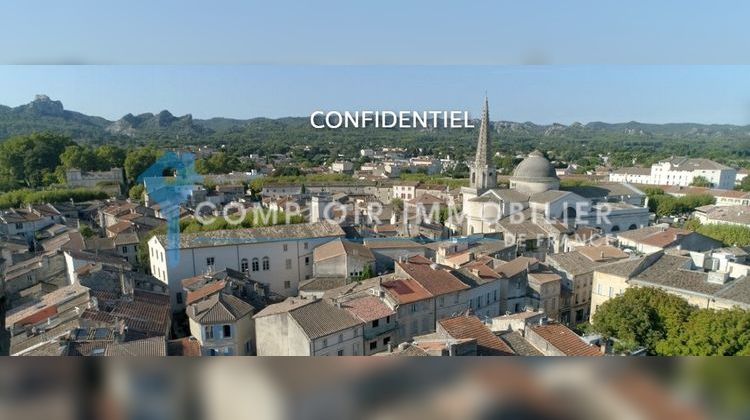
point(534, 209)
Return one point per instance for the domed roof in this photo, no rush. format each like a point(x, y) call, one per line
point(535, 166)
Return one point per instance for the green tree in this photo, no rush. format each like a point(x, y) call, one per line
point(700, 181)
point(86, 231)
point(398, 205)
point(81, 157)
point(367, 272)
point(710, 332)
point(745, 184)
point(136, 192)
point(138, 160)
point(110, 156)
point(30, 160)
point(641, 317)
point(729, 235)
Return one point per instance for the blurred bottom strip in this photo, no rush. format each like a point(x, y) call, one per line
point(373, 388)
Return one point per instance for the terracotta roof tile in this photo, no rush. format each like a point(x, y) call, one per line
point(406, 290)
point(470, 327)
point(368, 308)
point(565, 340)
point(436, 280)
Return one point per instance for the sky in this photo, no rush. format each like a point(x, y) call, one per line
point(386, 32)
point(541, 94)
point(540, 61)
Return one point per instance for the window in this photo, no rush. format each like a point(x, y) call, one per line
point(209, 261)
point(179, 298)
point(413, 307)
point(19, 226)
point(227, 331)
point(386, 341)
point(307, 260)
point(287, 284)
point(256, 266)
point(373, 345)
point(341, 338)
point(286, 247)
point(494, 296)
point(243, 265)
point(388, 319)
point(304, 245)
point(375, 323)
point(208, 332)
point(266, 264)
point(610, 291)
point(442, 301)
point(125, 249)
point(340, 353)
point(325, 342)
point(288, 263)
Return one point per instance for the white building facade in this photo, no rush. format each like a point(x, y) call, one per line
point(279, 256)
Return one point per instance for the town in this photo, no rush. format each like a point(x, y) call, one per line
point(192, 251)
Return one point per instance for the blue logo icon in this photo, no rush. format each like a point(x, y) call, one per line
point(170, 182)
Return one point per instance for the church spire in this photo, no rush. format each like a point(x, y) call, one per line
point(482, 172)
point(483, 144)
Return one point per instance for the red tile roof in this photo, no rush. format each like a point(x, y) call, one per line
point(186, 347)
point(470, 327)
point(436, 280)
point(205, 291)
point(406, 290)
point(368, 308)
point(565, 340)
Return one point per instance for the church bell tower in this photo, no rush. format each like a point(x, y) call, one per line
point(482, 174)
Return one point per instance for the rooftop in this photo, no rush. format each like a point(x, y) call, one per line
point(565, 340)
point(339, 247)
point(406, 290)
point(368, 308)
point(321, 283)
point(219, 308)
point(436, 280)
point(470, 327)
point(256, 235)
point(321, 318)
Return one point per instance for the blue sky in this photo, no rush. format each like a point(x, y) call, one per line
point(541, 94)
point(542, 61)
point(383, 32)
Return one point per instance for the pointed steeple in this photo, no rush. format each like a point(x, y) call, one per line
point(483, 144)
point(482, 172)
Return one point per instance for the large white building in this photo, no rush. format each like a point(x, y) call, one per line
point(535, 194)
point(279, 256)
point(679, 171)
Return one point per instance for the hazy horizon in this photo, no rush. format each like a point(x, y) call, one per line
point(539, 94)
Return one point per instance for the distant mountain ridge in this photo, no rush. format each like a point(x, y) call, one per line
point(45, 114)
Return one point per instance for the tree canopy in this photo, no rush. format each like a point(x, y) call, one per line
point(666, 324)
